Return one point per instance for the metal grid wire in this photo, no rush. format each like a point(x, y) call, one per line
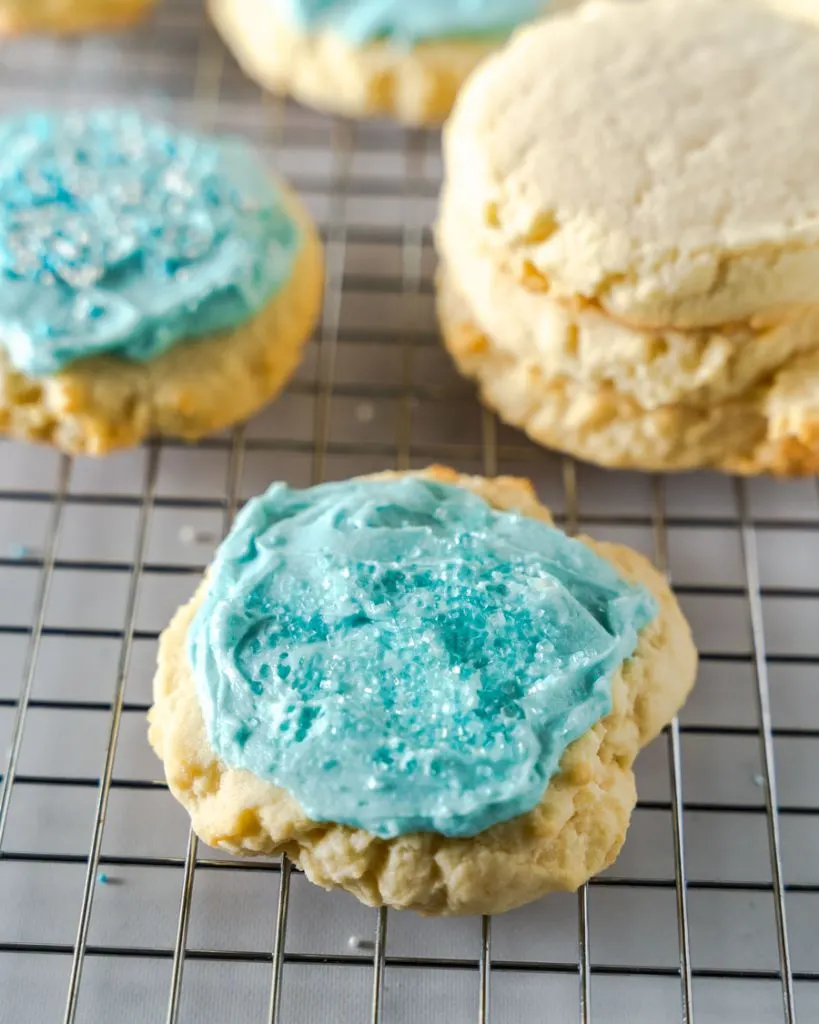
point(110, 910)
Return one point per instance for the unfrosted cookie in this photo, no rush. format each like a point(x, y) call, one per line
point(69, 15)
point(419, 690)
point(370, 57)
point(771, 426)
point(151, 281)
point(636, 155)
point(578, 341)
point(630, 271)
point(742, 396)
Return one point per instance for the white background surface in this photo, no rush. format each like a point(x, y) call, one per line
point(375, 390)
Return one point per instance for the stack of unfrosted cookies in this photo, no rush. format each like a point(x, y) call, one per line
point(629, 236)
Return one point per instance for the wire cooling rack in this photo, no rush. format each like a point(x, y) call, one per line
point(110, 911)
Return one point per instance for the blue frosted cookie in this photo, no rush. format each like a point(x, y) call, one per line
point(420, 689)
point(151, 280)
point(406, 58)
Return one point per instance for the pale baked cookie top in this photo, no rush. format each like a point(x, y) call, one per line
point(657, 158)
point(124, 236)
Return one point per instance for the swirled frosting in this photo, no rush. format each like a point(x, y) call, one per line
point(123, 235)
point(400, 657)
point(360, 21)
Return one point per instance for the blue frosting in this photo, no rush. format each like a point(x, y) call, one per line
point(414, 20)
point(123, 235)
point(400, 657)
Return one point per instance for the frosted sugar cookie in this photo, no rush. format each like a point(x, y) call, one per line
point(419, 689)
point(369, 57)
point(151, 281)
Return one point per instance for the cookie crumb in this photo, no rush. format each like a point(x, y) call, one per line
point(190, 535)
point(365, 412)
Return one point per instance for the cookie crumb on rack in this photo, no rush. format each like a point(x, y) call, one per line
point(190, 535)
point(365, 412)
